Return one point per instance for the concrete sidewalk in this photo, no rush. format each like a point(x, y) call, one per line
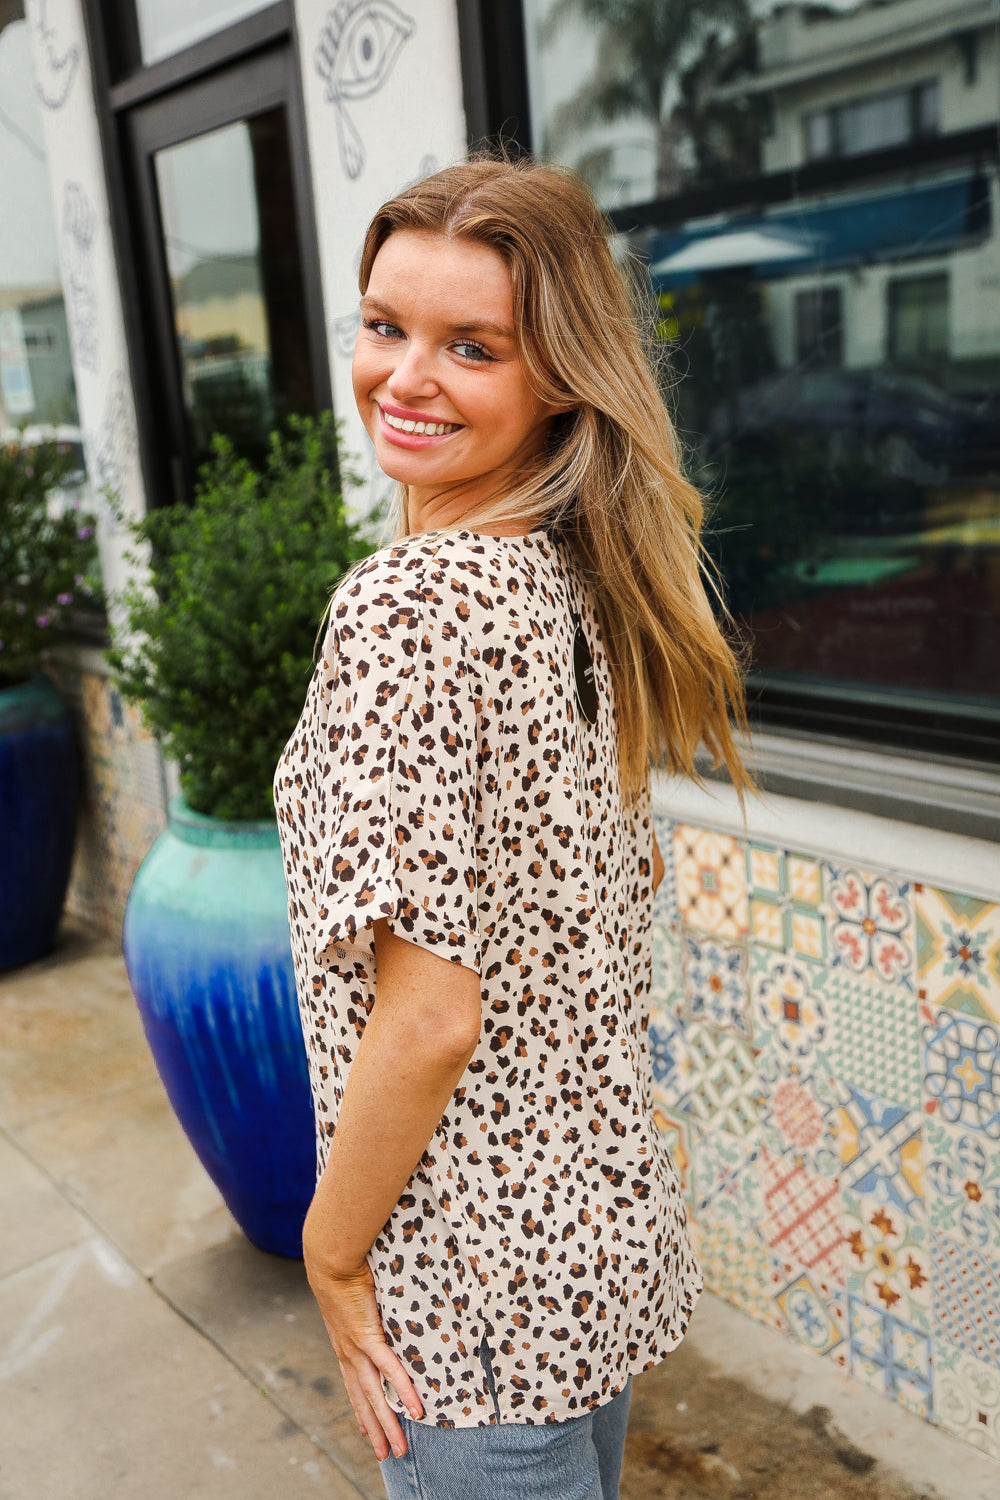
point(148, 1352)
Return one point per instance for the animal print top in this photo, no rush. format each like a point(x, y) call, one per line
point(441, 776)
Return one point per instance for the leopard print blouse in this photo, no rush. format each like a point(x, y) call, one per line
point(442, 776)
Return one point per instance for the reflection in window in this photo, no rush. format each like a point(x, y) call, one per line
point(36, 370)
point(167, 26)
point(838, 348)
point(236, 279)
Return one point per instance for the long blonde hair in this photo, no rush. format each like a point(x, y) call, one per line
point(611, 478)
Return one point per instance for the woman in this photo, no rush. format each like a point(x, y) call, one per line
point(498, 1241)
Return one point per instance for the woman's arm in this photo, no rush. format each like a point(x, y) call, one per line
point(417, 1043)
point(659, 868)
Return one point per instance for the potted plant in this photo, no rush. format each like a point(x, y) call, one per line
point(217, 650)
point(47, 549)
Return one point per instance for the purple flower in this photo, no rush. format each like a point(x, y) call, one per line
point(85, 533)
point(42, 621)
point(64, 599)
point(20, 608)
point(30, 472)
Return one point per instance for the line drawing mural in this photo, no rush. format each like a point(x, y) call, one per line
point(57, 62)
point(113, 447)
point(357, 47)
point(345, 333)
point(79, 230)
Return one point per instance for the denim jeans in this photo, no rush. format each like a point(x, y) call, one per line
point(579, 1459)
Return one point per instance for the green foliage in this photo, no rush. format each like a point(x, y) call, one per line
point(46, 554)
point(219, 651)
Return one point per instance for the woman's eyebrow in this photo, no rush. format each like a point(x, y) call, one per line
point(492, 330)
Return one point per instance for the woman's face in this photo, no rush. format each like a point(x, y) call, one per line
point(437, 347)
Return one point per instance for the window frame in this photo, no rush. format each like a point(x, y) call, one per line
point(944, 734)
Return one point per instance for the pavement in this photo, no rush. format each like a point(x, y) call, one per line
point(147, 1350)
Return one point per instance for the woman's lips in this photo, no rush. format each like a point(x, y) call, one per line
point(393, 427)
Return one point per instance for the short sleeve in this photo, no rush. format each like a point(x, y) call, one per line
point(397, 779)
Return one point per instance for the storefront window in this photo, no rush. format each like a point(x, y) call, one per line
point(837, 336)
point(167, 26)
point(36, 369)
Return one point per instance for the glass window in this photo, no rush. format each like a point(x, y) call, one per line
point(236, 282)
point(167, 26)
point(838, 342)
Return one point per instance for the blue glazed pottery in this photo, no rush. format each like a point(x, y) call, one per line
point(209, 959)
point(38, 800)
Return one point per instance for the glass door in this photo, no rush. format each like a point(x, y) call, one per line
point(232, 303)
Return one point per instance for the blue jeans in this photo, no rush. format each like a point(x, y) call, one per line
point(579, 1459)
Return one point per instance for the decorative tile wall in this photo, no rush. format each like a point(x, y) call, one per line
point(122, 803)
point(826, 1062)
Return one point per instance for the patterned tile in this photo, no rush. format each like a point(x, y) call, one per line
point(871, 925)
point(804, 1312)
point(668, 1053)
point(665, 900)
point(788, 1011)
point(724, 1090)
point(962, 1070)
point(801, 1220)
point(966, 1298)
point(785, 892)
point(736, 1266)
point(967, 1398)
point(715, 983)
point(962, 1184)
point(880, 1151)
point(958, 952)
point(667, 989)
point(710, 870)
point(886, 1259)
point(890, 1355)
point(875, 1040)
point(728, 1184)
point(798, 1115)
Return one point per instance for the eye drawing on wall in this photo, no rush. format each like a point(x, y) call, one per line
point(345, 333)
point(357, 48)
point(57, 65)
point(79, 226)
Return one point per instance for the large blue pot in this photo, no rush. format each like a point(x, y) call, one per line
point(38, 799)
point(209, 960)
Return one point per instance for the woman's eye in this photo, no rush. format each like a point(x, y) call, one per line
point(382, 328)
point(469, 350)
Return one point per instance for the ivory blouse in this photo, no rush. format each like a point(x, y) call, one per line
point(443, 777)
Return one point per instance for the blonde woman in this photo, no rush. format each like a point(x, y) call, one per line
point(498, 1241)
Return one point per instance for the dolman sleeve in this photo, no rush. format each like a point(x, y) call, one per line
point(398, 780)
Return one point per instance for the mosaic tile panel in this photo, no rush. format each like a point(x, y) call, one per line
point(710, 871)
point(789, 1015)
point(871, 925)
point(826, 1057)
point(962, 1070)
point(967, 1398)
point(724, 1089)
point(958, 952)
point(881, 1151)
point(886, 1260)
point(966, 1298)
point(962, 1184)
point(715, 983)
point(891, 1356)
point(874, 1041)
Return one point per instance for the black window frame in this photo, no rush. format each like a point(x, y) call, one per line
point(218, 74)
point(495, 80)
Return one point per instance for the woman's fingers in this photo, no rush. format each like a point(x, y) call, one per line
point(394, 1372)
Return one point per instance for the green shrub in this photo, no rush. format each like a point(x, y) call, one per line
point(218, 652)
point(46, 554)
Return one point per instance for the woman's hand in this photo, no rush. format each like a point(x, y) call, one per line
point(351, 1315)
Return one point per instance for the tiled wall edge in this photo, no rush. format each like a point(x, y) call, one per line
point(949, 860)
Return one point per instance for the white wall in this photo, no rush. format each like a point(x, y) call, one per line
point(383, 103)
point(89, 273)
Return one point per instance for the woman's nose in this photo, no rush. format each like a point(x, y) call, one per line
point(414, 373)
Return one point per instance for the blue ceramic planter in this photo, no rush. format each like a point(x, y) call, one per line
point(38, 798)
point(209, 960)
